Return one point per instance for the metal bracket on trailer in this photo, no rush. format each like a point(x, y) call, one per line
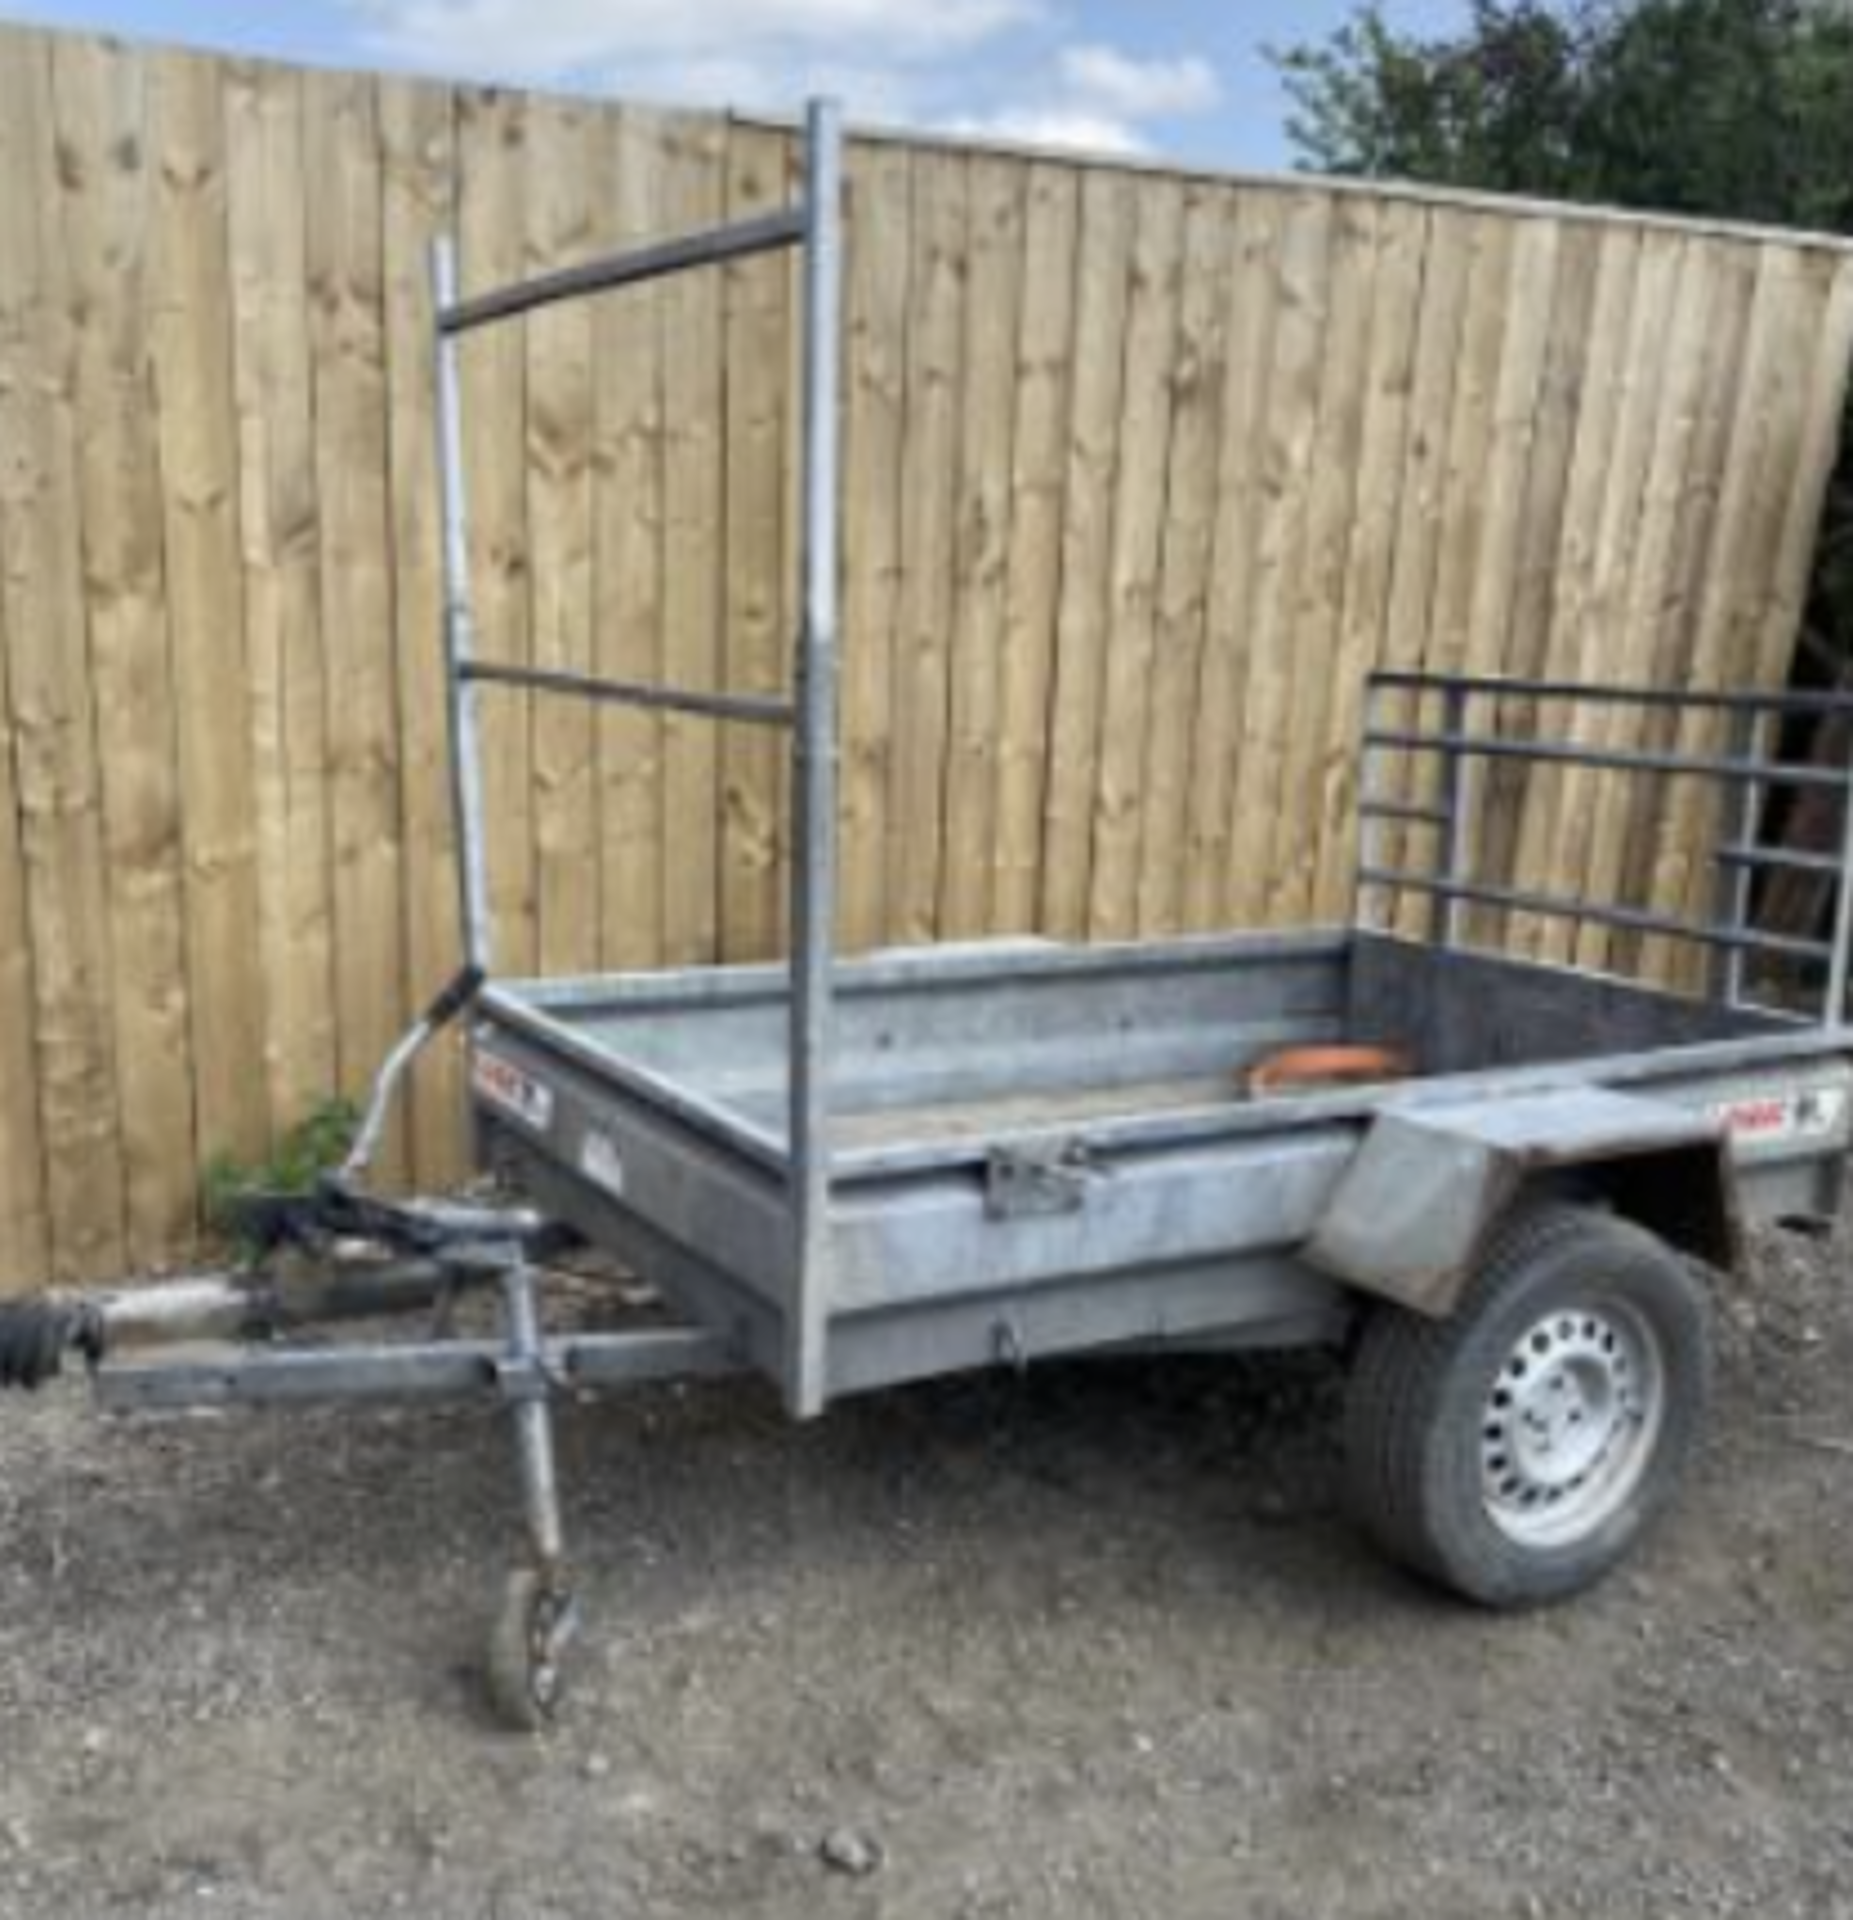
point(335, 1211)
point(1020, 1182)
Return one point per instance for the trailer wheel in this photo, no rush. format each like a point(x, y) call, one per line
point(1517, 1450)
point(527, 1645)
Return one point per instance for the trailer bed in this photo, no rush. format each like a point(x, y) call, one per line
point(1049, 1149)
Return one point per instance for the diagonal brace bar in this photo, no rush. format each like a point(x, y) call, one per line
point(713, 247)
point(755, 709)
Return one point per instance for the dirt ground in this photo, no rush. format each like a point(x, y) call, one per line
point(1096, 1643)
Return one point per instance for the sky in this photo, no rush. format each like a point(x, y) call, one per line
point(1183, 79)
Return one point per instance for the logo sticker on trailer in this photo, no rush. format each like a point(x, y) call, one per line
point(601, 1163)
point(506, 1086)
point(1763, 1119)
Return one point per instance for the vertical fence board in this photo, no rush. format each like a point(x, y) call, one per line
point(1667, 835)
point(923, 615)
point(1108, 208)
point(1636, 651)
point(1551, 790)
point(1453, 643)
point(1189, 527)
point(758, 651)
point(1536, 582)
point(342, 154)
point(1465, 498)
point(628, 561)
point(879, 318)
point(279, 518)
point(100, 97)
point(192, 345)
point(1288, 482)
point(52, 702)
point(1139, 508)
point(1517, 403)
point(1421, 496)
point(1032, 587)
point(25, 1239)
point(1530, 298)
point(693, 531)
point(1370, 555)
point(417, 132)
point(982, 537)
point(1300, 828)
point(561, 180)
point(1587, 824)
point(1215, 752)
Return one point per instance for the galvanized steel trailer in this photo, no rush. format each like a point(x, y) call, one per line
point(845, 1174)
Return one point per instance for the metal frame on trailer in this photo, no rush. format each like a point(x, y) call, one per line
point(498, 1248)
point(815, 227)
point(1749, 768)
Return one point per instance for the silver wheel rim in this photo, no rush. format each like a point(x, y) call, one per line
point(1571, 1422)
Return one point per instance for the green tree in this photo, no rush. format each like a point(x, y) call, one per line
point(1740, 109)
point(1498, 106)
point(1737, 108)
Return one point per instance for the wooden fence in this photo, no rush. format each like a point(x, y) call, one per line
point(1142, 471)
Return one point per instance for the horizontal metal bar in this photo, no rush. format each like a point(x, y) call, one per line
point(1733, 701)
point(1485, 746)
point(223, 1306)
point(1628, 919)
point(756, 709)
point(651, 1353)
point(430, 1370)
point(1403, 810)
point(714, 246)
point(1781, 859)
point(321, 1376)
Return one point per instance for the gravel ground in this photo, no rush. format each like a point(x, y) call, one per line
point(1097, 1643)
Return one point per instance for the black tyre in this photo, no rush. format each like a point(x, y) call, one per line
point(1518, 1450)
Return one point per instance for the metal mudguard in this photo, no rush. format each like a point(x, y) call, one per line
point(1411, 1213)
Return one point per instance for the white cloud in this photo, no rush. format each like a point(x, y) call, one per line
point(1057, 126)
point(1099, 99)
point(550, 39)
point(1110, 82)
point(997, 67)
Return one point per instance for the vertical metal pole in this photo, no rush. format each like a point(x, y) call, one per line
point(1445, 916)
point(1835, 1012)
point(1731, 881)
point(459, 629)
point(814, 766)
point(1370, 828)
point(525, 1382)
